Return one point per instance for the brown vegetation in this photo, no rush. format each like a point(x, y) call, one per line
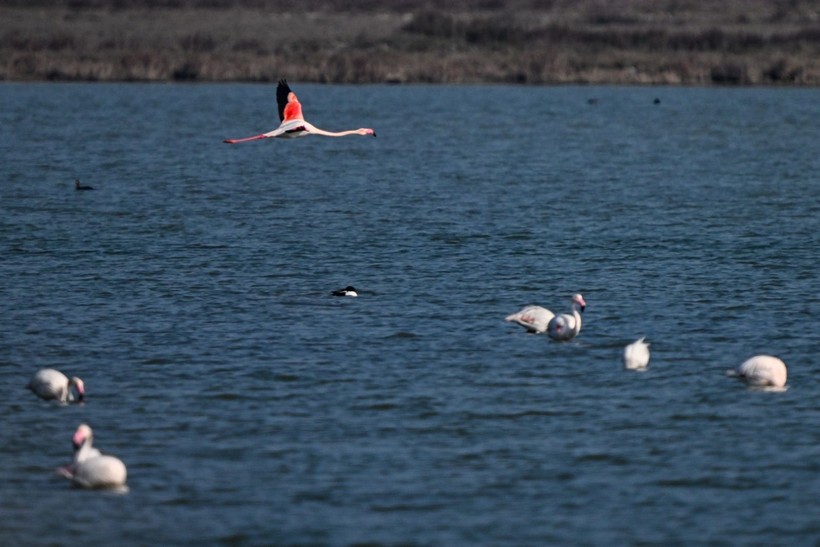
point(525, 41)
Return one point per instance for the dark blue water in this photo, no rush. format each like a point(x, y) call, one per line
point(191, 291)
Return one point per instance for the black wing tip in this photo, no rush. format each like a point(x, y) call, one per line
point(282, 93)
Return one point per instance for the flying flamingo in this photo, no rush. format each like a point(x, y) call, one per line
point(293, 123)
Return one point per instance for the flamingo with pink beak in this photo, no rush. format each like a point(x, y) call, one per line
point(567, 325)
point(51, 384)
point(90, 468)
point(293, 123)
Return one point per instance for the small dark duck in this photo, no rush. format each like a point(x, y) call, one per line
point(347, 291)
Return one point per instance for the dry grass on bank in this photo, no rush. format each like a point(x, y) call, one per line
point(524, 41)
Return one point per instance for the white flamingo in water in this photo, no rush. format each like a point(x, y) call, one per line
point(761, 371)
point(51, 384)
point(90, 469)
point(636, 355)
point(567, 325)
point(532, 318)
point(293, 123)
point(538, 319)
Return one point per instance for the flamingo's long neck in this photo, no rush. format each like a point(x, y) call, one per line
point(316, 131)
point(576, 311)
point(65, 393)
point(68, 395)
point(335, 134)
point(82, 453)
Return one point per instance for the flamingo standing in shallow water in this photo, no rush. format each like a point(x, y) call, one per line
point(532, 318)
point(91, 469)
point(567, 326)
point(293, 124)
point(51, 384)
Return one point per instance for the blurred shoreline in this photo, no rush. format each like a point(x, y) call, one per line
point(635, 42)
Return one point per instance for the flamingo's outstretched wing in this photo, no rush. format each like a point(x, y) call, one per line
point(292, 122)
point(246, 139)
point(282, 92)
point(294, 128)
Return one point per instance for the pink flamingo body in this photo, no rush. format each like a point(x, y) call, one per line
point(90, 468)
point(636, 355)
point(293, 123)
point(567, 325)
point(532, 318)
point(51, 384)
point(762, 371)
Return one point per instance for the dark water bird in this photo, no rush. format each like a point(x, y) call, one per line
point(293, 123)
point(347, 291)
point(80, 186)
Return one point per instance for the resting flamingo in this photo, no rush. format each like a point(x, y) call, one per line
point(636, 355)
point(761, 371)
point(293, 124)
point(90, 469)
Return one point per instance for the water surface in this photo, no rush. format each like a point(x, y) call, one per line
point(191, 291)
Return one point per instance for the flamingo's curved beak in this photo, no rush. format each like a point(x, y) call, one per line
point(581, 302)
point(77, 441)
point(80, 387)
point(80, 436)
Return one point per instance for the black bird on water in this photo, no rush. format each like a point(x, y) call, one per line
point(347, 291)
point(80, 186)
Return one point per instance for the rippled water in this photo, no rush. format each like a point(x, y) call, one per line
point(191, 291)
